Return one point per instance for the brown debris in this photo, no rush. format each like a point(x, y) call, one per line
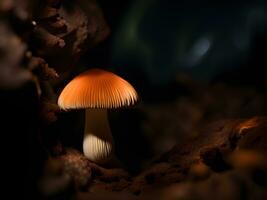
point(109, 175)
point(183, 163)
point(213, 147)
point(103, 195)
point(41, 69)
point(47, 39)
point(66, 30)
point(231, 185)
point(77, 167)
point(247, 160)
point(158, 175)
point(54, 181)
point(199, 171)
point(83, 171)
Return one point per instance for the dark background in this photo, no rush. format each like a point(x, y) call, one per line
point(178, 52)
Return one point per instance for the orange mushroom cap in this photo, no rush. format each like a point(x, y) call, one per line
point(97, 88)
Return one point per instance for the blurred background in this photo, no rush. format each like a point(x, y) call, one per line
point(190, 61)
point(154, 40)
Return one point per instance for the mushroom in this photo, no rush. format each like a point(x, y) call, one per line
point(97, 90)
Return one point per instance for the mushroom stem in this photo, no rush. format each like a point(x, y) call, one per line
point(98, 140)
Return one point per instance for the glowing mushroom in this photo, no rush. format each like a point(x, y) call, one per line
point(97, 90)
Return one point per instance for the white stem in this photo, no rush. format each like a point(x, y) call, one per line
point(98, 141)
